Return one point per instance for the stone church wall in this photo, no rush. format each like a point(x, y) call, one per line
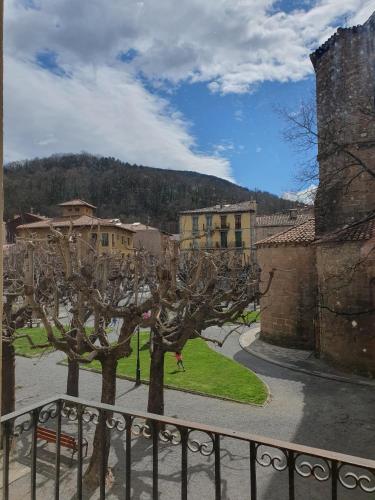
point(288, 309)
point(345, 78)
point(347, 285)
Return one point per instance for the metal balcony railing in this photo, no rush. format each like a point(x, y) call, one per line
point(188, 448)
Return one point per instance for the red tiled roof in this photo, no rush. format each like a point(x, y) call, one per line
point(300, 234)
point(138, 226)
point(289, 218)
point(362, 230)
point(76, 202)
point(84, 220)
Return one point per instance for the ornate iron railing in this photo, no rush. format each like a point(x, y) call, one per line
point(342, 475)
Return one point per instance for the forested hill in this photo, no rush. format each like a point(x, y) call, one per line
point(129, 192)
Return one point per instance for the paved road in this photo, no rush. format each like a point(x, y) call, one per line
point(303, 409)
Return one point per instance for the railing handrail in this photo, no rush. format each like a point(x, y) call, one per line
point(261, 440)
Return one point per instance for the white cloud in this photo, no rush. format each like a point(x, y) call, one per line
point(102, 111)
point(231, 45)
point(304, 196)
point(239, 115)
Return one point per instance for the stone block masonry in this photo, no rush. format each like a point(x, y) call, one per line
point(345, 78)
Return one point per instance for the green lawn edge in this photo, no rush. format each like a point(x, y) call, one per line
point(175, 388)
point(209, 373)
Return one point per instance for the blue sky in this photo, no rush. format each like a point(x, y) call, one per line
point(247, 129)
point(193, 88)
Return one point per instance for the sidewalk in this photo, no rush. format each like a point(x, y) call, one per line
point(295, 359)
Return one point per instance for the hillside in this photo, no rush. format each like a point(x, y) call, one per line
point(129, 192)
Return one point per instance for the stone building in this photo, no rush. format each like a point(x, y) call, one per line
point(343, 250)
point(292, 257)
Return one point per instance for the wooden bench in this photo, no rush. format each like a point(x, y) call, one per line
point(50, 436)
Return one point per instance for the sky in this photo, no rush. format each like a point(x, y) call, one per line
point(188, 85)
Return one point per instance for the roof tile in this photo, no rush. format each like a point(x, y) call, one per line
point(303, 233)
point(228, 208)
point(359, 231)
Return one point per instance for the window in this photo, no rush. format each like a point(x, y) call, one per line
point(128, 242)
point(195, 245)
point(223, 222)
point(70, 209)
point(237, 221)
point(224, 239)
point(209, 221)
point(105, 240)
point(113, 240)
point(238, 236)
point(76, 209)
point(94, 238)
point(195, 223)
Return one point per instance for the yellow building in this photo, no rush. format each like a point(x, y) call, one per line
point(219, 228)
point(102, 235)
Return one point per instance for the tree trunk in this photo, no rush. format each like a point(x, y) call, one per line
point(156, 388)
point(72, 384)
point(102, 433)
point(8, 379)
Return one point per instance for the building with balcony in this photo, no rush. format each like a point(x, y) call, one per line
point(101, 235)
point(221, 227)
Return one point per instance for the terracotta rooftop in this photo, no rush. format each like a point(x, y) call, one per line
point(244, 206)
point(362, 230)
point(138, 226)
point(303, 233)
point(84, 220)
point(75, 203)
point(288, 218)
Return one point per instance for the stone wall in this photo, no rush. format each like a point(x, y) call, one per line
point(288, 309)
point(346, 277)
point(345, 77)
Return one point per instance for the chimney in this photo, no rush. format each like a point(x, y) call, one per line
point(293, 214)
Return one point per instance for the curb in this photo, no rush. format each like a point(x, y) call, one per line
point(181, 389)
point(314, 373)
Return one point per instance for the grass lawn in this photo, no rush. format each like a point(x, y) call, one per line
point(249, 316)
point(207, 372)
point(39, 336)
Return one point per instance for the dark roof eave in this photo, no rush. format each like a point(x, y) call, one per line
point(285, 244)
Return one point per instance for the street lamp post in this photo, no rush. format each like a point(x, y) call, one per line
point(138, 368)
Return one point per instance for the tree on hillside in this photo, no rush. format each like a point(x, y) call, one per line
point(129, 192)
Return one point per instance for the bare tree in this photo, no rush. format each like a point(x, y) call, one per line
point(96, 288)
point(177, 297)
point(191, 293)
point(332, 138)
